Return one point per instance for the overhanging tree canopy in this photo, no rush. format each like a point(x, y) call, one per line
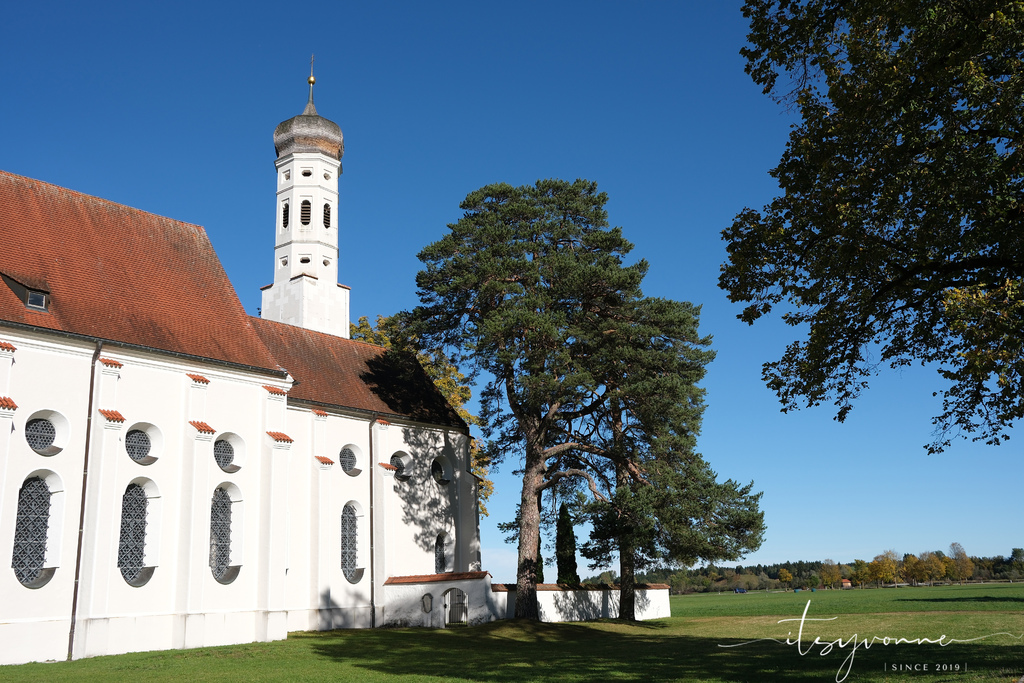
point(898, 235)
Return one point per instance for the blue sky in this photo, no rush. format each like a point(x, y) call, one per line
point(170, 107)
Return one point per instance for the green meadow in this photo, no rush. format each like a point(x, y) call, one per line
point(685, 647)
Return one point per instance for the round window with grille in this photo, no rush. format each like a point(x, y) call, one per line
point(399, 464)
point(438, 473)
point(223, 453)
point(40, 434)
point(347, 460)
point(138, 445)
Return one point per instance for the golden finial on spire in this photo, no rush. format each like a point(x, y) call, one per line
point(312, 79)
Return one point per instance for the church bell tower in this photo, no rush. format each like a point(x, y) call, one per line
point(305, 291)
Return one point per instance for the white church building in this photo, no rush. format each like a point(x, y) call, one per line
point(175, 473)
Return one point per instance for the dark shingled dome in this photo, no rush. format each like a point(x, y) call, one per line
point(309, 132)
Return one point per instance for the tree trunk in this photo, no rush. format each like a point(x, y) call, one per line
point(529, 534)
point(627, 582)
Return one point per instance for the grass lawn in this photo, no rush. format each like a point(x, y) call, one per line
point(684, 647)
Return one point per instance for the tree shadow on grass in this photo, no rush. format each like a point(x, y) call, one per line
point(978, 599)
point(507, 651)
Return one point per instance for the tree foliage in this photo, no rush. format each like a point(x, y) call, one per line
point(590, 383)
point(565, 548)
point(518, 289)
point(390, 332)
point(897, 234)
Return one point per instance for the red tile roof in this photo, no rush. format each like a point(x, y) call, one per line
point(202, 427)
point(281, 437)
point(120, 274)
point(111, 363)
point(383, 422)
point(8, 403)
point(323, 460)
point(321, 413)
point(388, 466)
point(112, 415)
point(7, 346)
point(436, 578)
point(276, 391)
point(198, 379)
point(351, 374)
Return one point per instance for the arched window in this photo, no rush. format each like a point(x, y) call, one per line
point(440, 561)
point(30, 530)
point(327, 215)
point(305, 211)
point(350, 544)
point(220, 536)
point(284, 215)
point(131, 549)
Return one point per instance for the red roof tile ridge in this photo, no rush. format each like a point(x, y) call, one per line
point(382, 421)
point(280, 437)
point(323, 460)
point(197, 378)
point(202, 427)
point(436, 578)
point(8, 403)
point(321, 413)
point(110, 362)
point(333, 337)
point(276, 391)
point(93, 198)
point(388, 466)
point(112, 415)
point(7, 346)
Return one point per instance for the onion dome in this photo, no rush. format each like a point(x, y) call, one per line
point(309, 132)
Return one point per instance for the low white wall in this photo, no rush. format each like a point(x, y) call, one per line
point(403, 603)
point(559, 603)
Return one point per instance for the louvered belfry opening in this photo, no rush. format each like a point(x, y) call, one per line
point(131, 549)
point(284, 215)
point(306, 211)
point(30, 530)
point(327, 215)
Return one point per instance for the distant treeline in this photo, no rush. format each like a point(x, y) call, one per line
point(888, 568)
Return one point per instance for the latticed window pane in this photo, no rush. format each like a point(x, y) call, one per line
point(220, 533)
point(347, 459)
point(223, 453)
point(40, 434)
point(327, 215)
point(136, 442)
point(399, 464)
point(131, 549)
point(349, 543)
point(30, 530)
point(440, 563)
point(305, 211)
